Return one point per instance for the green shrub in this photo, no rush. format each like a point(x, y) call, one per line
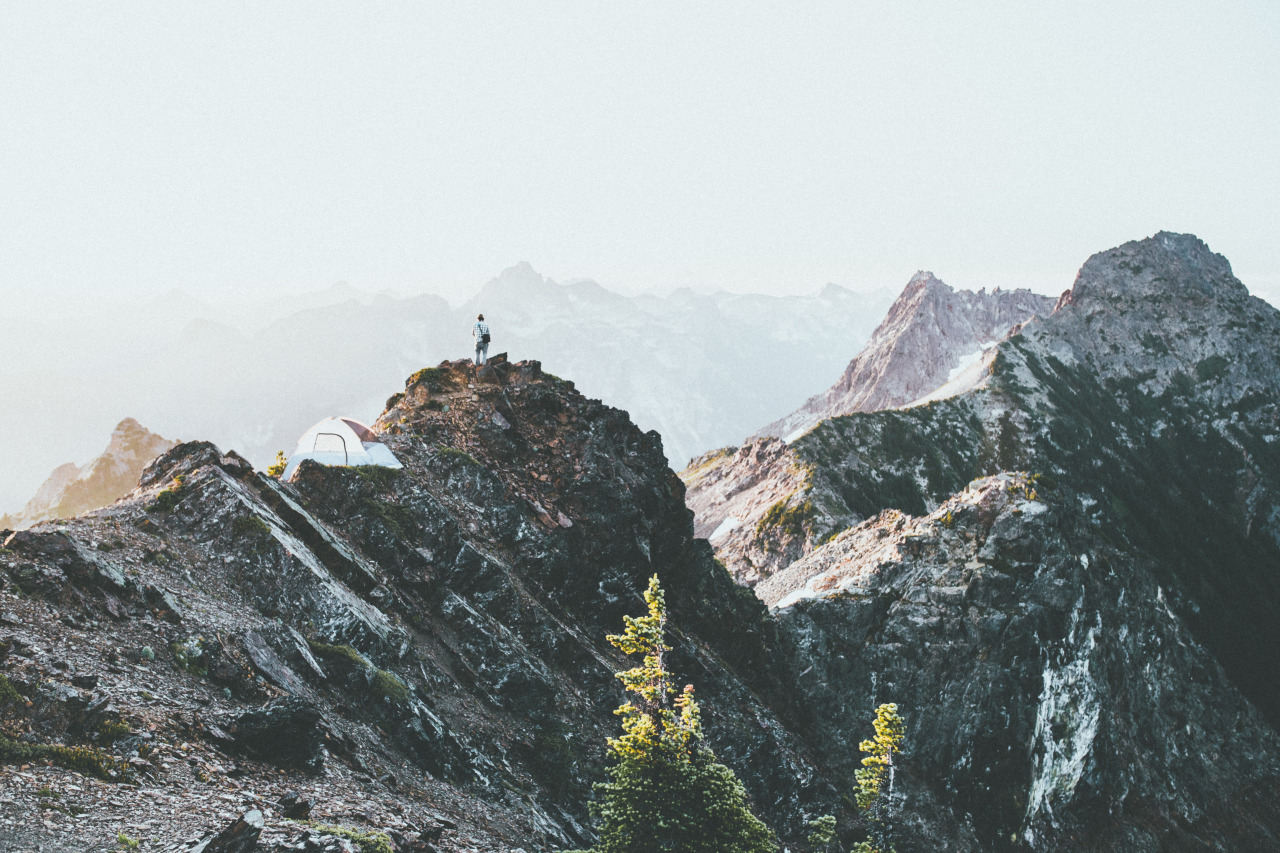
point(368, 842)
point(665, 790)
point(1211, 368)
point(9, 694)
point(87, 760)
point(276, 469)
point(170, 497)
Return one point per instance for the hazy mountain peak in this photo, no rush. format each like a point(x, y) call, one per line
point(931, 333)
point(71, 490)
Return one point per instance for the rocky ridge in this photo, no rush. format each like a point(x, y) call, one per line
point(1147, 405)
point(931, 334)
point(421, 652)
point(72, 490)
point(431, 640)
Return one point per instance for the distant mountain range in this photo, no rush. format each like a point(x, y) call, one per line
point(1062, 565)
point(703, 370)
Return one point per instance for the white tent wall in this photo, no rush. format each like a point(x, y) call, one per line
point(340, 441)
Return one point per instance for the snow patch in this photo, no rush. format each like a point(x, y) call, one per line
point(966, 377)
point(1066, 725)
point(727, 526)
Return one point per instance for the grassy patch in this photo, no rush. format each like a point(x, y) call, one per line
point(377, 476)
point(434, 378)
point(368, 842)
point(87, 760)
point(387, 685)
point(786, 518)
point(460, 455)
point(384, 685)
point(170, 497)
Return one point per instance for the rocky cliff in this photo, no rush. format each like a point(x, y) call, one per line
point(420, 651)
point(1065, 577)
point(1146, 406)
point(931, 336)
point(72, 490)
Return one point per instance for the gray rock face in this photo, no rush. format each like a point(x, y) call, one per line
point(1085, 655)
point(1055, 701)
point(932, 332)
point(1145, 557)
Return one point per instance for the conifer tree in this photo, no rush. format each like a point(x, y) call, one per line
point(876, 777)
point(666, 793)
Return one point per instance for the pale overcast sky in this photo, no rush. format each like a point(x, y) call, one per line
point(750, 146)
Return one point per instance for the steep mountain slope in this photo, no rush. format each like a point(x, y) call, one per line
point(1148, 400)
point(422, 651)
point(72, 490)
point(674, 362)
point(445, 622)
point(930, 336)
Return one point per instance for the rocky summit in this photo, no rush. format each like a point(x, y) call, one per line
point(1145, 408)
point(1065, 576)
point(419, 652)
point(931, 336)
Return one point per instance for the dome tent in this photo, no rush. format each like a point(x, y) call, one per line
point(340, 441)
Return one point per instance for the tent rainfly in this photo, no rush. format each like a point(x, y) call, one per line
point(340, 441)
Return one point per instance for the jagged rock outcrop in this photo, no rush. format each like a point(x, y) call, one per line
point(931, 335)
point(439, 629)
point(72, 490)
point(1148, 402)
point(1055, 701)
point(1084, 655)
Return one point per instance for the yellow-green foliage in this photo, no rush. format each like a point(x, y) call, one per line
point(113, 730)
point(126, 842)
point(657, 721)
point(169, 498)
point(345, 652)
point(666, 791)
point(275, 469)
point(877, 766)
point(9, 695)
point(368, 842)
point(787, 518)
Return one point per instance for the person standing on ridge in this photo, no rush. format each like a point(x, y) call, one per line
point(480, 331)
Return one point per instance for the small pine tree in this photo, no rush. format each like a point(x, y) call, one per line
point(665, 791)
point(822, 831)
point(276, 469)
point(875, 779)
